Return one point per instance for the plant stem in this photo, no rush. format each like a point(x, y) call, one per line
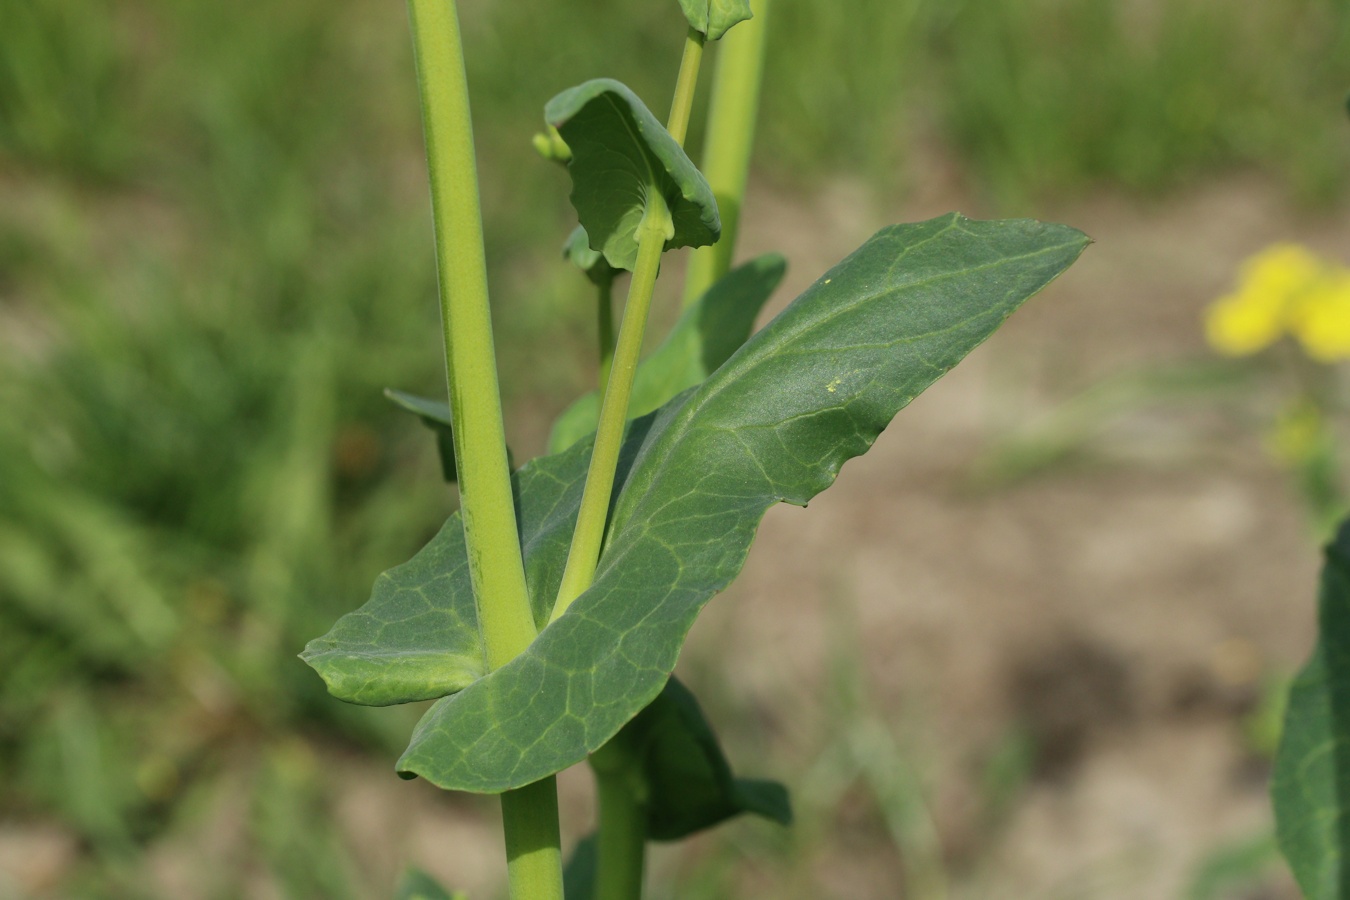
point(685, 84)
point(487, 506)
point(584, 554)
point(726, 148)
point(533, 858)
point(653, 232)
point(623, 822)
point(605, 304)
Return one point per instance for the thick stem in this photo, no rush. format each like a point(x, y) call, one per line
point(486, 503)
point(530, 821)
point(623, 822)
point(487, 506)
point(685, 85)
point(584, 554)
point(726, 148)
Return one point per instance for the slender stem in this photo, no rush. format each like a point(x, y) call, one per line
point(623, 822)
point(726, 148)
point(584, 554)
point(685, 84)
point(605, 305)
point(487, 506)
point(653, 232)
point(530, 821)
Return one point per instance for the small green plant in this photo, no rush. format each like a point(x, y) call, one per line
point(547, 615)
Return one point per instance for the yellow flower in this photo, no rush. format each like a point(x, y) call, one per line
point(1321, 318)
point(1245, 322)
point(1269, 302)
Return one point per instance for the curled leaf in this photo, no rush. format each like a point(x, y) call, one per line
point(620, 154)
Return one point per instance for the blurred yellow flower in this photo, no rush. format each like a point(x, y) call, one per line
point(1321, 320)
point(1284, 289)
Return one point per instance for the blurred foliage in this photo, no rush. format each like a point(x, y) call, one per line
point(215, 253)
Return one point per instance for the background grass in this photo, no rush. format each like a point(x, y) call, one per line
point(215, 253)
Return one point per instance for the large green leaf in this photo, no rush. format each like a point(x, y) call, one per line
point(808, 392)
point(1311, 781)
point(714, 17)
point(620, 153)
point(705, 336)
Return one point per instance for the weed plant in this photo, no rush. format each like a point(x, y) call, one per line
point(198, 311)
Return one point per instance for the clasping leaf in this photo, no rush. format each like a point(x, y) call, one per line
point(620, 153)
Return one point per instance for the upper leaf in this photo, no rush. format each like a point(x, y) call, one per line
point(620, 153)
point(1311, 781)
point(706, 334)
point(714, 17)
point(774, 423)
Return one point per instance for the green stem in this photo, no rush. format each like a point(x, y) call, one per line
point(605, 304)
point(653, 232)
point(487, 505)
point(685, 84)
point(533, 858)
point(623, 822)
point(584, 554)
point(726, 148)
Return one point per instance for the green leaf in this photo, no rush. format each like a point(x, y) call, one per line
point(577, 250)
point(690, 786)
point(434, 414)
point(714, 17)
point(620, 153)
point(415, 639)
point(418, 885)
point(1311, 781)
point(705, 337)
point(774, 423)
point(688, 783)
